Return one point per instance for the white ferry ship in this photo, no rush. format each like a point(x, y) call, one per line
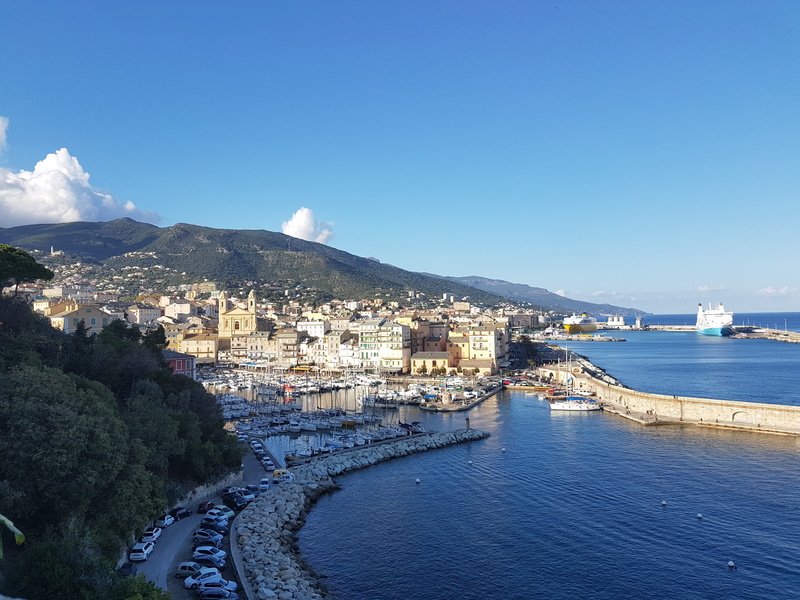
point(580, 324)
point(714, 321)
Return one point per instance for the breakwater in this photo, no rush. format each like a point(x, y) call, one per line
point(264, 549)
point(663, 409)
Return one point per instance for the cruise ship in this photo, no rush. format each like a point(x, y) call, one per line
point(714, 321)
point(582, 324)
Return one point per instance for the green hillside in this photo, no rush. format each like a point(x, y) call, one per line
point(236, 257)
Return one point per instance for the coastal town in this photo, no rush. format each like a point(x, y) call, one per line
point(205, 325)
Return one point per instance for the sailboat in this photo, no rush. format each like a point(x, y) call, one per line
point(570, 402)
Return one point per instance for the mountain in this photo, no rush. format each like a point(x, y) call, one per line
point(236, 257)
point(519, 292)
point(244, 257)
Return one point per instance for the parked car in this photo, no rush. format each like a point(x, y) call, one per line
point(226, 512)
point(208, 536)
point(151, 534)
point(246, 494)
point(264, 484)
point(187, 569)
point(202, 551)
point(165, 521)
point(222, 584)
point(128, 569)
point(217, 524)
point(180, 512)
point(193, 581)
point(234, 501)
point(141, 551)
point(253, 489)
point(204, 506)
point(218, 595)
point(221, 511)
point(211, 561)
point(286, 476)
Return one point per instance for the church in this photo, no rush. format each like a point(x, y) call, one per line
point(237, 320)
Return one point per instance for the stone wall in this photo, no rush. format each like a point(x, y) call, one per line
point(757, 416)
point(264, 547)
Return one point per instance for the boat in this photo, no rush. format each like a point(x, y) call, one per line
point(714, 321)
point(580, 324)
point(573, 403)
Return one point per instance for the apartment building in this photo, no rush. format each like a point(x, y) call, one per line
point(385, 345)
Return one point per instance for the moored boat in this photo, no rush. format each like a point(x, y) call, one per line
point(575, 404)
point(714, 321)
point(580, 324)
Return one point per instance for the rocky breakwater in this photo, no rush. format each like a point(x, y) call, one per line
point(265, 550)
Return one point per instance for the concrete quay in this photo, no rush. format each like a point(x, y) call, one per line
point(458, 406)
point(264, 546)
point(662, 409)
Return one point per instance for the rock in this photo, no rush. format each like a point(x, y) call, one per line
point(266, 534)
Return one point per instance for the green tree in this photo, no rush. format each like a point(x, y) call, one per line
point(17, 266)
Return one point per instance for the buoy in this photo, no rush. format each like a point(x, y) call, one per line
point(417, 480)
point(663, 503)
point(699, 516)
point(503, 450)
point(731, 564)
point(469, 462)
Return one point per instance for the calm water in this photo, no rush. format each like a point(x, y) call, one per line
point(572, 508)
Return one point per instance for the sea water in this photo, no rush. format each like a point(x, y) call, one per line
point(581, 506)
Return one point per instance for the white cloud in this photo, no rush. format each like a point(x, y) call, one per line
point(3, 129)
point(58, 191)
point(605, 294)
point(710, 288)
point(561, 293)
point(303, 225)
point(771, 291)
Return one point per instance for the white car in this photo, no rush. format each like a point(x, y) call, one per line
point(141, 551)
point(151, 534)
point(205, 574)
point(226, 513)
point(222, 584)
point(202, 551)
point(264, 484)
point(165, 521)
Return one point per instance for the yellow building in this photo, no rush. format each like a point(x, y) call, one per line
point(237, 321)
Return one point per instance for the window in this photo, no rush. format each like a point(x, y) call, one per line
point(92, 321)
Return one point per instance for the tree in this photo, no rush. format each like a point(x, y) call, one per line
point(17, 266)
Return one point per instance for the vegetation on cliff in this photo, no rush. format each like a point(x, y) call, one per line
point(97, 437)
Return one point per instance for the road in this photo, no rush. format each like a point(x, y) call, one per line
point(175, 544)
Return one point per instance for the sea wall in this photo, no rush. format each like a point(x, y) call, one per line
point(264, 547)
point(659, 409)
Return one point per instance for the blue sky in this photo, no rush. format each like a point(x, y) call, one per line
point(644, 154)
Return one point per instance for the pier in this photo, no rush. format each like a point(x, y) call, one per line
point(460, 404)
point(662, 409)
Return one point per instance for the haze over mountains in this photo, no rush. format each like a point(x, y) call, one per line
point(241, 256)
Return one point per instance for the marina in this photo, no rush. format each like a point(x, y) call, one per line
point(551, 467)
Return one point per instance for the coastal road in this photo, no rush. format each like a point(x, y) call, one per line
point(175, 544)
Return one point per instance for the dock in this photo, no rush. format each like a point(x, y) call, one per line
point(458, 406)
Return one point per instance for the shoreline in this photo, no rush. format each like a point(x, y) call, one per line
point(265, 551)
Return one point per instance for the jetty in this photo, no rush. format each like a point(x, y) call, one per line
point(264, 546)
point(663, 409)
